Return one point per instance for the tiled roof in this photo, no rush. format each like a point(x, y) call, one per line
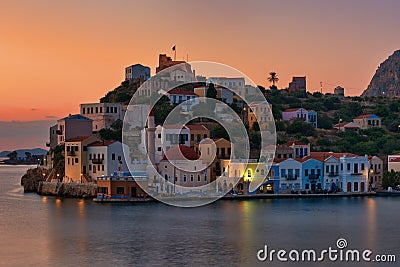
point(291, 109)
point(297, 143)
point(102, 143)
point(321, 156)
point(180, 92)
point(197, 127)
point(180, 152)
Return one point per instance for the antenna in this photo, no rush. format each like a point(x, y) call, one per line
point(321, 86)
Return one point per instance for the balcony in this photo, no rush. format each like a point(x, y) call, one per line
point(313, 176)
point(71, 153)
point(291, 177)
point(333, 174)
point(97, 161)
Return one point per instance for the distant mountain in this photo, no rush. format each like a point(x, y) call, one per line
point(386, 81)
point(21, 152)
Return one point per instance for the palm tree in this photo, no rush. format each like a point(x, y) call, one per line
point(273, 78)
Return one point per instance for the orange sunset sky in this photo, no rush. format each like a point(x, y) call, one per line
point(57, 54)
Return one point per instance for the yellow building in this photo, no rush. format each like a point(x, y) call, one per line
point(197, 133)
point(259, 111)
point(76, 159)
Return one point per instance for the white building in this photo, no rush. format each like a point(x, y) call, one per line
point(290, 175)
point(235, 84)
point(188, 98)
point(105, 158)
point(102, 114)
point(168, 136)
point(354, 172)
point(309, 116)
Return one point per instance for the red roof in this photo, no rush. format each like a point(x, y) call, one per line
point(197, 127)
point(78, 138)
point(291, 109)
point(297, 143)
point(176, 91)
point(102, 143)
point(321, 156)
point(363, 116)
point(180, 152)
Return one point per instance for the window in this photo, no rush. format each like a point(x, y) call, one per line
point(90, 156)
point(76, 160)
point(90, 167)
point(362, 166)
point(83, 110)
point(184, 178)
point(205, 136)
point(102, 167)
point(262, 171)
point(120, 190)
point(159, 148)
point(191, 137)
point(327, 169)
point(348, 166)
point(101, 109)
point(198, 177)
point(113, 156)
point(248, 173)
point(97, 109)
point(306, 172)
point(159, 135)
point(166, 177)
point(68, 161)
point(191, 178)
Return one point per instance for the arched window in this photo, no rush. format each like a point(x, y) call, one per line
point(184, 178)
point(166, 177)
point(198, 177)
point(191, 178)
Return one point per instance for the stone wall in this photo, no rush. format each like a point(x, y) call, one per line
point(74, 190)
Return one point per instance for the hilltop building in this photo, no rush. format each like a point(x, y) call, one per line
point(137, 71)
point(339, 91)
point(297, 84)
point(103, 115)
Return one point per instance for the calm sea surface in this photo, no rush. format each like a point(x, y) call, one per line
point(48, 231)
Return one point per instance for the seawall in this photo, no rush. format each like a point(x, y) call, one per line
point(74, 190)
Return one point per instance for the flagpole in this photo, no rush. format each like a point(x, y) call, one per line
point(175, 53)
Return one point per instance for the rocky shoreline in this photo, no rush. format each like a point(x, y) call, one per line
point(34, 181)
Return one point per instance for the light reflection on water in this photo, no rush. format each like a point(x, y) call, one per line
point(52, 231)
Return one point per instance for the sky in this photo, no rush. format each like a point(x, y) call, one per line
point(57, 54)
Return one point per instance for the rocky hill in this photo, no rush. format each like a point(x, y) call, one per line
point(386, 81)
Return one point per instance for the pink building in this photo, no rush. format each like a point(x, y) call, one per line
point(309, 116)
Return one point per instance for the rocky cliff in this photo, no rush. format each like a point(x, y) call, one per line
point(386, 81)
point(30, 181)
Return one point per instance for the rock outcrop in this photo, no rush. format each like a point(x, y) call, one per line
point(386, 81)
point(74, 190)
point(30, 181)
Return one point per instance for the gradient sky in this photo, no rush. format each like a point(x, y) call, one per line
point(57, 54)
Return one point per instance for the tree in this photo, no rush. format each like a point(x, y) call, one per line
point(300, 127)
point(211, 91)
point(220, 132)
point(13, 155)
point(390, 179)
point(273, 78)
point(255, 127)
point(28, 155)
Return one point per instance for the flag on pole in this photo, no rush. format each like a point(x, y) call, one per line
point(173, 48)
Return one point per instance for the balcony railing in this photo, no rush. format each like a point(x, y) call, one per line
point(333, 174)
point(97, 161)
point(71, 153)
point(291, 177)
point(313, 176)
